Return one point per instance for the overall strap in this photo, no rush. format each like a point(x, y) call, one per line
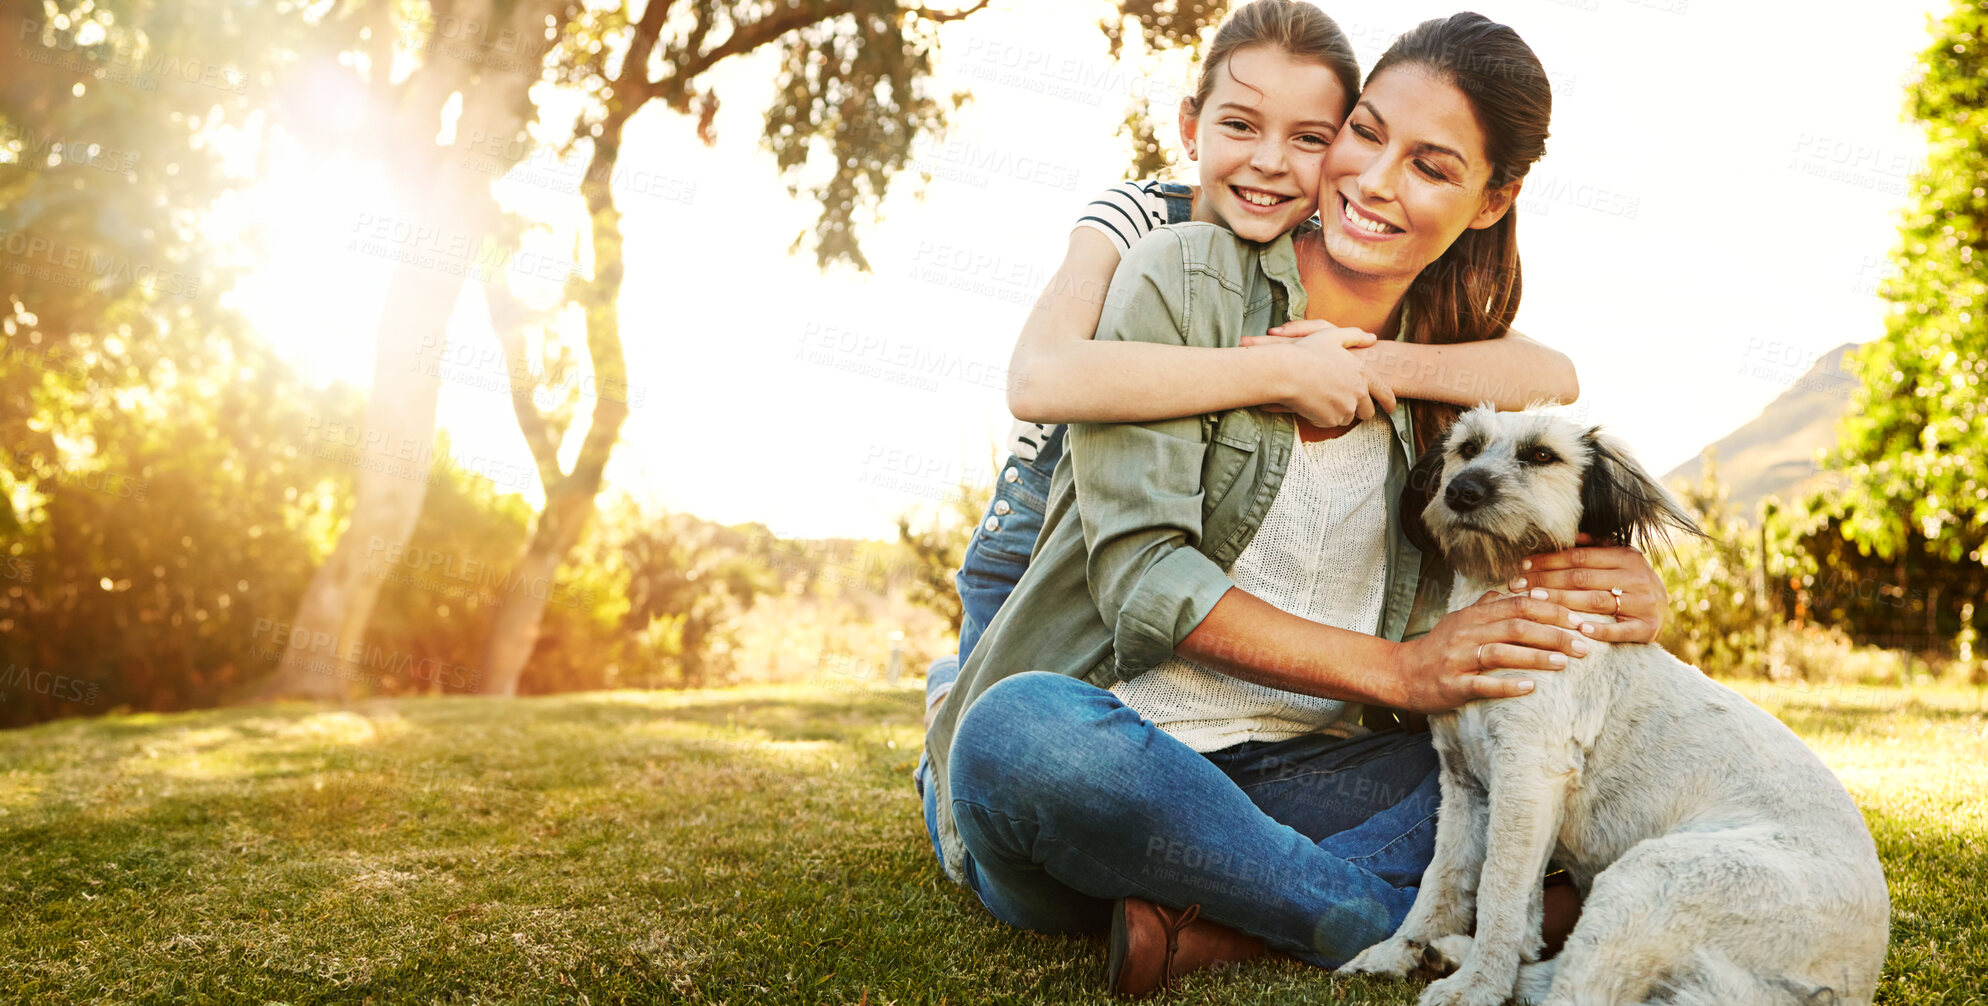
point(1180, 201)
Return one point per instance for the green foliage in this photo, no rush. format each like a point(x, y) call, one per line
point(937, 547)
point(437, 591)
point(1824, 611)
point(856, 85)
point(1718, 619)
point(107, 162)
point(1162, 37)
point(157, 494)
point(688, 583)
point(1916, 440)
point(160, 545)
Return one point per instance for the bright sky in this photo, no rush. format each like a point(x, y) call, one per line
point(1719, 195)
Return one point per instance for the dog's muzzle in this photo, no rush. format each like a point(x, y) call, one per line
point(1468, 491)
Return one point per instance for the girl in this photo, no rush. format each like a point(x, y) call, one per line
point(1192, 780)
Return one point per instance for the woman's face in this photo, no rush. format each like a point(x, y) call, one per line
point(1406, 176)
point(1261, 138)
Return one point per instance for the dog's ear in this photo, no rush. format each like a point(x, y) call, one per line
point(1621, 504)
point(1423, 481)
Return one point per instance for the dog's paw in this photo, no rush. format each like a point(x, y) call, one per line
point(1393, 956)
point(1444, 955)
point(1464, 990)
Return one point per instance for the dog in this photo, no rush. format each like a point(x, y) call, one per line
point(1720, 861)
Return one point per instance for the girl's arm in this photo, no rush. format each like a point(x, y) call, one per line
point(1058, 374)
point(1512, 373)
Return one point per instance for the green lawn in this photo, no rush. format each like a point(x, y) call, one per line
point(748, 845)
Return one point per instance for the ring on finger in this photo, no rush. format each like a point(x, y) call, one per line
point(1480, 655)
point(1616, 592)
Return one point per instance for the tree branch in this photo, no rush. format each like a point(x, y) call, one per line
point(943, 16)
point(508, 318)
point(749, 37)
point(632, 87)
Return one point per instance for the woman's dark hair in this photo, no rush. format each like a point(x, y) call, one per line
point(1298, 28)
point(1472, 291)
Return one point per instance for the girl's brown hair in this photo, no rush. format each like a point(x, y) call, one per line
point(1472, 291)
point(1298, 28)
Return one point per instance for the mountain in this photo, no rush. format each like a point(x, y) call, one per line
point(1775, 451)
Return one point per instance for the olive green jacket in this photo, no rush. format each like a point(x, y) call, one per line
point(1146, 519)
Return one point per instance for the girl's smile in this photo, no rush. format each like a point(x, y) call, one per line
point(1258, 199)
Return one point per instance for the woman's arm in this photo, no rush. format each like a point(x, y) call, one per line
point(1512, 373)
point(1059, 375)
point(1246, 637)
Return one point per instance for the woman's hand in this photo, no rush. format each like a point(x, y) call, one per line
point(1329, 386)
point(1583, 578)
point(1445, 668)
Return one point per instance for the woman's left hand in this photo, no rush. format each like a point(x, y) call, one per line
point(1583, 578)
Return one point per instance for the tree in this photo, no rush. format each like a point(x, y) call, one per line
point(1915, 442)
point(852, 78)
point(1916, 439)
point(489, 70)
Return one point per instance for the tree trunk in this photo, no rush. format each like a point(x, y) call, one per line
point(393, 450)
point(569, 498)
point(330, 626)
point(514, 628)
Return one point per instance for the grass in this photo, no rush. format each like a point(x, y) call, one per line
point(751, 845)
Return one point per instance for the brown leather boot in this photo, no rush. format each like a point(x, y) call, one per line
point(1152, 946)
point(1562, 910)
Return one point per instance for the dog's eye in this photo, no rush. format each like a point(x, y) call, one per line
point(1541, 456)
point(1468, 450)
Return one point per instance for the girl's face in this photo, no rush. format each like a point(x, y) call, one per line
point(1406, 176)
point(1261, 138)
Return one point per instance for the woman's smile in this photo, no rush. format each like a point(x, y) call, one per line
point(1362, 224)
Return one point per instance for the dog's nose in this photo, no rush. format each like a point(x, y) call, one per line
point(1468, 491)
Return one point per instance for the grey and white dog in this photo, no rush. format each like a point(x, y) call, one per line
point(1721, 861)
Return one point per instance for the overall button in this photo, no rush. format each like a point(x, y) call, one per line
point(1001, 507)
point(993, 524)
point(1011, 475)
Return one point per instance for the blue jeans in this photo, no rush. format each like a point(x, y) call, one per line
point(999, 551)
point(1067, 799)
point(996, 557)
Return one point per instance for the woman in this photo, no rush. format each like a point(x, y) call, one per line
point(1061, 802)
point(1059, 375)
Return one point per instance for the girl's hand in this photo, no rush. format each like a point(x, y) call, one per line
point(1583, 578)
point(1331, 387)
point(1445, 668)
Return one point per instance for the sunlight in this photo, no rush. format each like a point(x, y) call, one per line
point(315, 300)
